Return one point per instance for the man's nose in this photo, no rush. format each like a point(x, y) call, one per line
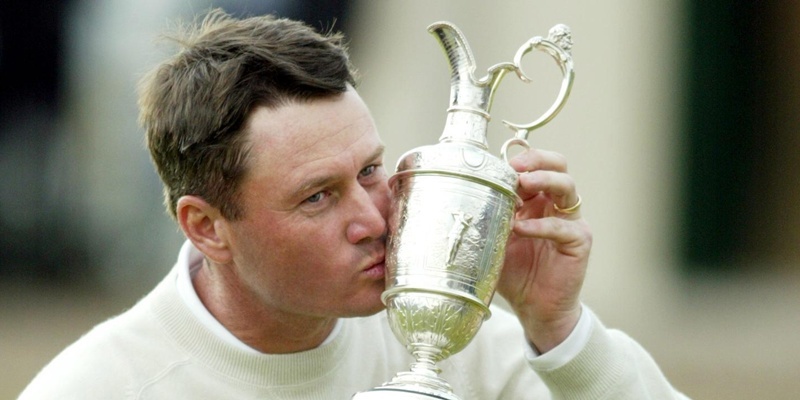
point(370, 209)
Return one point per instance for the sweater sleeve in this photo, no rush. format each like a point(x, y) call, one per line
point(610, 366)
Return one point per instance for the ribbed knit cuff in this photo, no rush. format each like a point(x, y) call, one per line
point(595, 371)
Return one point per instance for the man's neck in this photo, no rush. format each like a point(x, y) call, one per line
point(252, 322)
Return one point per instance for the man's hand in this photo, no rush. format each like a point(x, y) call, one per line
point(548, 251)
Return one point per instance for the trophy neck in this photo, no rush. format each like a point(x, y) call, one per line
point(466, 126)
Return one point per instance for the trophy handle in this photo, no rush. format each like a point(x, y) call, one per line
point(558, 45)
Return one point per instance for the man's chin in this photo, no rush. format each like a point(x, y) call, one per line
point(372, 308)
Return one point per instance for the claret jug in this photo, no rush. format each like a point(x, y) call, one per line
point(452, 211)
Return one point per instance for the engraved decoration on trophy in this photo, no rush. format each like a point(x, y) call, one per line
point(452, 213)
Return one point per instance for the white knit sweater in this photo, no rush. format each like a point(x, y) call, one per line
point(159, 350)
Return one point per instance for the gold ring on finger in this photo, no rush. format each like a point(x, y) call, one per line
point(570, 210)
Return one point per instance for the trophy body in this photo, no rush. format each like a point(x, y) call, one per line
point(443, 260)
point(452, 212)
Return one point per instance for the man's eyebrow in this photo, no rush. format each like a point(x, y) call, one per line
point(377, 154)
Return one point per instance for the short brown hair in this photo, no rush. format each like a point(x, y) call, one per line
point(194, 106)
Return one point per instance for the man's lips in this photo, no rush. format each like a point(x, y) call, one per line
point(376, 270)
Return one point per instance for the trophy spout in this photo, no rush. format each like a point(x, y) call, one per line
point(464, 90)
point(470, 98)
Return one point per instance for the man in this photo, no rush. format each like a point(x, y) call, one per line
point(273, 169)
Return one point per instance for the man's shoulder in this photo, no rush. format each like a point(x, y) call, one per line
point(86, 366)
point(104, 360)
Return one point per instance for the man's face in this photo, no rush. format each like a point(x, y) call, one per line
point(315, 202)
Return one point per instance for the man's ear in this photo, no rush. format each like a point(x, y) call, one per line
point(205, 227)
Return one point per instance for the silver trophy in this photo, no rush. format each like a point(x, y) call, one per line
point(452, 213)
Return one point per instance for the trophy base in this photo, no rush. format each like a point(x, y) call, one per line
point(410, 386)
point(390, 393)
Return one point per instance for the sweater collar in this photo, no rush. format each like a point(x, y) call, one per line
point(198, 337)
